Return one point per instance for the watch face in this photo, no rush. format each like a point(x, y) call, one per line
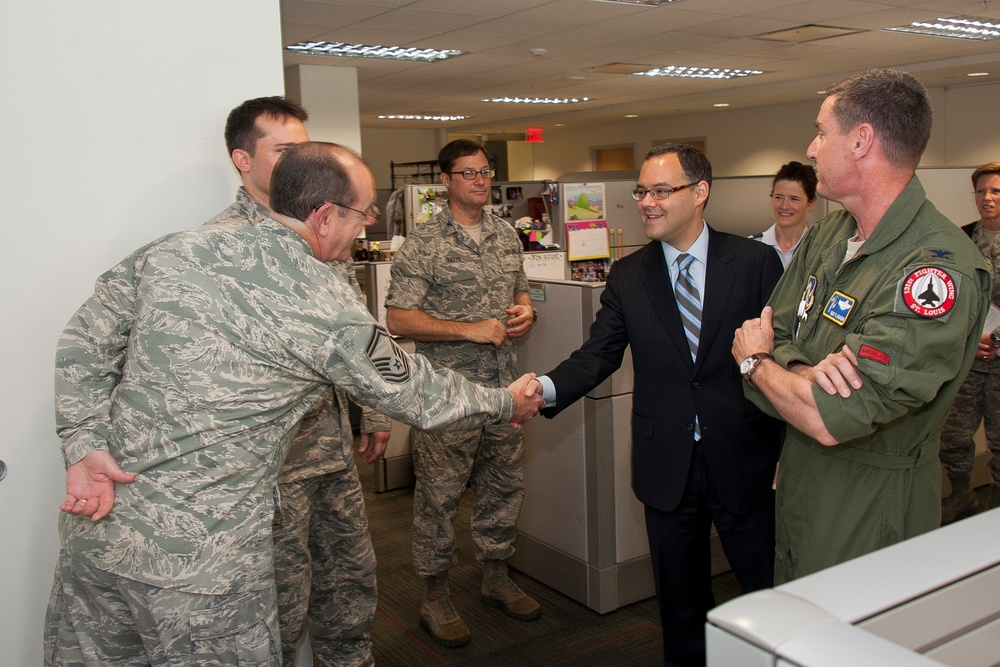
point(746, 365)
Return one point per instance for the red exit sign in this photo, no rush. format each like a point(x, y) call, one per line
point(533, 135)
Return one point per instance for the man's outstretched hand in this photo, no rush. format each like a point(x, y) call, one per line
point(527, 392)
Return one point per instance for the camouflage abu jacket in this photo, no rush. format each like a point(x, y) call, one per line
point(324, 443)
point(232, 334)
point(441, 271)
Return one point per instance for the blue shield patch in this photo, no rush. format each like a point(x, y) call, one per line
point(838, 308)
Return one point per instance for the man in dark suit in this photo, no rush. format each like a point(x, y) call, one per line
point(700, 451)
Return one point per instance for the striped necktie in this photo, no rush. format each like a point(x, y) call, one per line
point(688, 302)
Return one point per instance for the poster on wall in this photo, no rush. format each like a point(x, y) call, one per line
point(583, 201)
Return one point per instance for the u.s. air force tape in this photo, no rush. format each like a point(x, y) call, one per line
point(387, 357)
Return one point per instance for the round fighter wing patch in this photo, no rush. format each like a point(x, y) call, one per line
point(929, 291)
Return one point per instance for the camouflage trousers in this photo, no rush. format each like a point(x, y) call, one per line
point(978, 398)
point(324, 568)
point(100, 619)
point(493, 458)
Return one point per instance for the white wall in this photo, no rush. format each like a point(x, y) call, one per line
point(755, 142)
point(112, 133)
point(330, 95)
point(750, 142)
point(520, 161)
point(380, 147)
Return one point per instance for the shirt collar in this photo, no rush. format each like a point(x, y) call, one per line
point(699, 249)
point(250, 208)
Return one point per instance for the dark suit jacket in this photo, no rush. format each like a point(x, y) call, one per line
point(741, 444)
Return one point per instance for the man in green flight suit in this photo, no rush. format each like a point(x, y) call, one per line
point(867, 337)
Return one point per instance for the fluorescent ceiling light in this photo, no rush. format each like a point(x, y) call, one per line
point(699, 72)
point(419, 117)
point(536, 100)
point(344, 50)
point(958, 27)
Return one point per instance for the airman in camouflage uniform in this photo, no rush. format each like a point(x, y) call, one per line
point(191, 367)
point(979, 395)
point(324, 563)
point(464, 299)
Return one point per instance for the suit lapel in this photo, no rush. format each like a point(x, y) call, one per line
point(660, 291)
point(719, 278)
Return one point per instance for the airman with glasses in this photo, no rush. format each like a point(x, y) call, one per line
point(459, 290)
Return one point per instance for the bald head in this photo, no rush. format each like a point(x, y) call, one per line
point(309, 174)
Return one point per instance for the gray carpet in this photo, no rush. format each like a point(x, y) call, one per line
point(568, 633)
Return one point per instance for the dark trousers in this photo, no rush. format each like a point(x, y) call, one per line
point(681, 558)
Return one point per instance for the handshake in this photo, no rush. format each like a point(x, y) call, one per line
point(527, 393)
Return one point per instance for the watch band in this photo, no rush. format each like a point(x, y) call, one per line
point(757, 360)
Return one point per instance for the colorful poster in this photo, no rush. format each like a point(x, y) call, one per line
point(583, 201)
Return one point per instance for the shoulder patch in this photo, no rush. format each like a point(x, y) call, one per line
point(387, 356)
point(928, 291)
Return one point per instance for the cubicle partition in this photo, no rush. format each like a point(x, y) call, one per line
point(931, 600)
point(581, 530)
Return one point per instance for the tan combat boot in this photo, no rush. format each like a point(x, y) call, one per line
point(499, 591)
point(439, 616)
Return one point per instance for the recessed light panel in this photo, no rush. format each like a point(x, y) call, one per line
point(700, 72)
point(419, 117)
point(535, 100)
point(806, 33)
point(957, 27)
point(345, 50)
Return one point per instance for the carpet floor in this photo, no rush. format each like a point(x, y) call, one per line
point(568, 633)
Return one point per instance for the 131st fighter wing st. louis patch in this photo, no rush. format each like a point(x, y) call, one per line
point(927, 291)
point(388, 358)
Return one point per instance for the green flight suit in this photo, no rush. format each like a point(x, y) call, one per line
point(911, 305)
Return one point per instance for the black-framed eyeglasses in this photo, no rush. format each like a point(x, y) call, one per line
point(659, 194)
point(372, 212)
point(470, 174)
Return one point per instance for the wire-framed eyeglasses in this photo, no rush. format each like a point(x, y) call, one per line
point(470, 174)
point(372, 212)
point(659, 194)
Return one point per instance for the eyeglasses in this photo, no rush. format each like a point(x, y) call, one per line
point(659, 194)
point(470, 174)
point(372, 213)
